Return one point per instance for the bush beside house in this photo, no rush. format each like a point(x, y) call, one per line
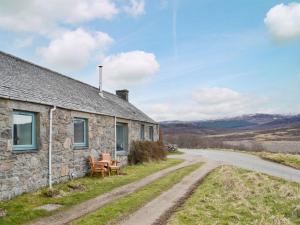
point(146, 151)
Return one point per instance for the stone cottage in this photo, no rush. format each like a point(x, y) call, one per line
point(50, 123)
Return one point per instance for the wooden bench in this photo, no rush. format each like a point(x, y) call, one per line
point(97, 167)
point(112, 165)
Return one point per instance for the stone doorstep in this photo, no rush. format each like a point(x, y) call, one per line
point(49, 207)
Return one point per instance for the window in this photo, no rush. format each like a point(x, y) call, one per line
point(80, 133)
point(142, 132)
point(24, 131)
point(122, 137)
point(151, 133)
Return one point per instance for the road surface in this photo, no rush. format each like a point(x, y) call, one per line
point(247, 161)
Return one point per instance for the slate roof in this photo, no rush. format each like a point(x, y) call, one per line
point(24, 81)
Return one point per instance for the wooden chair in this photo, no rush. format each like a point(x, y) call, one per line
point(113, 165)
point(97, 167)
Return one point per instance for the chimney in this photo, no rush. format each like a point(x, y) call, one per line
point(100, 81)
point(122, 94)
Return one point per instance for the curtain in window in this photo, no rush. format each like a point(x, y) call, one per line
point(22, 129)
point(122, 137)
point(79, 129)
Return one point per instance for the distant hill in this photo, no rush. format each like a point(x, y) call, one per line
point(257, 132)
point(254, 122)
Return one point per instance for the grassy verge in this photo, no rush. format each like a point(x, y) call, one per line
point(22, 209)
point(235, 196)
point(177, 152)
point(282, 158)
point(285, 159)
point(113, 212)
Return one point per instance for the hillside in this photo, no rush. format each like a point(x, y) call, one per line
point(256, 122)
point(259, 132)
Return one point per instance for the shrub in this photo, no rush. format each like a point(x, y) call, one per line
point(161, 139)
point(146, 151)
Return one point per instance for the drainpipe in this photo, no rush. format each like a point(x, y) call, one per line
point(115, 155)
point(158, 133)
point(50, 146)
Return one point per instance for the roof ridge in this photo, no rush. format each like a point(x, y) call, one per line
point(50, 70)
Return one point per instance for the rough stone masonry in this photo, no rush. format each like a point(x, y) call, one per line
point(28, 92)
point(27, 171)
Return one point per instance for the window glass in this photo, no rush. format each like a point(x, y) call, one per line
point(142, 132)
point(23, 130)
point(151, 133)
point(80, 132)
point(122, 137)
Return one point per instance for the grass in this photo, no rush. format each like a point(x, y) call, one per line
point(236, 196)
point(177, 152)
point(285, 159)
point(22, 208)
point(112, 213)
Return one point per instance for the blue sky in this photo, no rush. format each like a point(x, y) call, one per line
point(183, 60)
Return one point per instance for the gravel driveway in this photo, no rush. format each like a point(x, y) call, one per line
point(247, 161)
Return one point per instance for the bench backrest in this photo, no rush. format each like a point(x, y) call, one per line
point(91, 161)
point(106, 156)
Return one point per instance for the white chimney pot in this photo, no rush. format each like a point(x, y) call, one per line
point(100, 81)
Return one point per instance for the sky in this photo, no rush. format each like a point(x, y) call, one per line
point(179, 59)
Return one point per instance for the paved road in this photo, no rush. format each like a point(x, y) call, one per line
point(247, 161)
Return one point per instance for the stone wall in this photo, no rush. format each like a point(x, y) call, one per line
point(28, 171)
point(134, 133)
point(24, 171)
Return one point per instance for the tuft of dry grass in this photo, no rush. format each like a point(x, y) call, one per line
point(285, 159)
point(236, 196)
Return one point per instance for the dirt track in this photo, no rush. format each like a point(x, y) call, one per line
point(154, 212)
point(91, 205)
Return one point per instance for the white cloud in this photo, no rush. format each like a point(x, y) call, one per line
point(216, 95)
point(283, 21)
point(24, 42)
point(136, 8)
point(46, 17)
point(130, 68)
point(92, 9)
point(206, 103)
point(74, 49)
